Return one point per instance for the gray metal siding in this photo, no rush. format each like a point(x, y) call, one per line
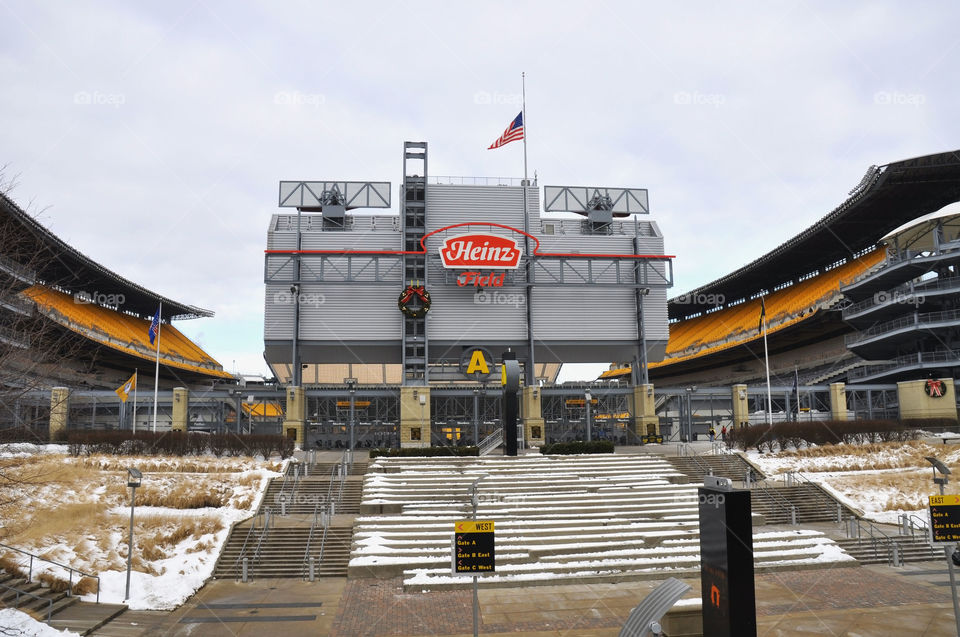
point(582, 313)
point(448, 205)
point(334, 313)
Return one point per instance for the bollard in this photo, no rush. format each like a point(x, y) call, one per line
point(244, 570)
point(839, 513)
point(793, 515)
point(312, 578)
point(895, 556)
point(333, 508)
point(747, 479)
point(283, 505)
point(305, 471)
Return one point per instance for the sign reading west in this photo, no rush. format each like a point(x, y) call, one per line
point(481, 250)
point(473, 547)
point(945, 519)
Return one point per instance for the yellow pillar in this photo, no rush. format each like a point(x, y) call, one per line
point(530, 407)
point(181, 405)
point(741, 408)
point(414, 416)
point(917, 400)
point(59, 409)
point(644, 417)
point(295, 415)
point(838, 401)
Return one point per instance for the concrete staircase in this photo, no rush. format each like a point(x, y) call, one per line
point(575, 518)
point(912, 549)
point(282, 551)
point(67, 612)
point(312, 490)
point(282, 554)
point(727, 465)
point(812, 503)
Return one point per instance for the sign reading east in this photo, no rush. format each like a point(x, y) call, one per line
point(945, 519)
point(479, 250)
point(473, 547)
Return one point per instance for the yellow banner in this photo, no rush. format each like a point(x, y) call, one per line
point(123, 391)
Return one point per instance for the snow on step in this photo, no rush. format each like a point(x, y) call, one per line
point(556, 518)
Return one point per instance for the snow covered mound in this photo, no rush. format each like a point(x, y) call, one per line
point(556, 518)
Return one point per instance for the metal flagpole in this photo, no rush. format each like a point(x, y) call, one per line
point(766, 358)
point(532, 372)
point(796, 381)
point(156, 373)
point(135, 379)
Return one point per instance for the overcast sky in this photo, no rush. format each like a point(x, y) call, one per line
point(151, 136)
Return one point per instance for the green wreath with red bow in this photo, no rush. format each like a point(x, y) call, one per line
point(414, 301)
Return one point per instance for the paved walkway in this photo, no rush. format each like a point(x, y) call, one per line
point(869, 601)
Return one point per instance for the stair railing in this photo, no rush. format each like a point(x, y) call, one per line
point(914, 525)
point(321, 516)
point(252, 532)
point(777, 500)
point(70, 570)
point(267, 523)
point(491, 442)
point(795, 478)
point(880, 542)
point(19, 593)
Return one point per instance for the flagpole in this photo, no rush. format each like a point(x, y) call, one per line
point(523, 95)
point(532, 372)
point(766, 358)
point(156, 373)
point(135, 379)
point(796, 381)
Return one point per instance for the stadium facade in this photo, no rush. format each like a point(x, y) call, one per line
point(72, 331)
point(429, 300)
point(844, 317)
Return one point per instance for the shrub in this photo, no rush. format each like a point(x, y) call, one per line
point(785, 435)
point(577, 447)
point(423, 452)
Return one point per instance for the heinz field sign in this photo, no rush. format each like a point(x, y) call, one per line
point(480, 251)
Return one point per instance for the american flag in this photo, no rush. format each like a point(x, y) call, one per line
point(154, 327)
point(513, 133)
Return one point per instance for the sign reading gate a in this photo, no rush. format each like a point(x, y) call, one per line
point(473, 547)
point(944, 519)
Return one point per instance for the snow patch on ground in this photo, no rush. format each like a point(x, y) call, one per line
point(15, 622)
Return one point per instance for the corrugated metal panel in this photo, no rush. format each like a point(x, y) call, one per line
point(580, 313)
point(280, 266)
point(447, 205)
point(349, 313)
point(278, 313)
point(655, 322)
point(351, 240)
point(459, 314)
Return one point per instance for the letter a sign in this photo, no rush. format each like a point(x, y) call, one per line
point(477, 363)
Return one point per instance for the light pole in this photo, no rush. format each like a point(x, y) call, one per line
point(948, 551)
point(134, 477)
point(586, 402)
point(351, 384)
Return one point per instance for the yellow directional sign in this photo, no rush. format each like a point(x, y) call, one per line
point(945, 519)
point(473, 526)
point(473, 547)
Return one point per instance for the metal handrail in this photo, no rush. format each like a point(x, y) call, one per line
point(263, 535)
point(909, 524)
point(69, 569)
point(879, 538)
point(237, 564)
point(902, 293)
point(777, 499)
point(29, 594)
point(491, 442)
point(324, 515)
point(913, 320)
